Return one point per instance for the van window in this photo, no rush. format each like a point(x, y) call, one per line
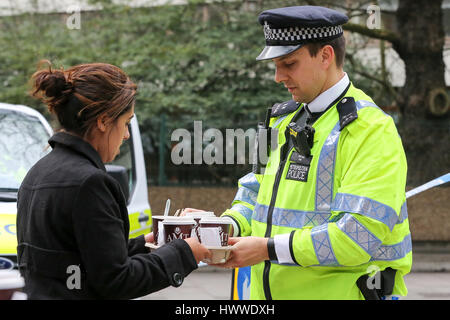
point(126, 159)
point(23, 141)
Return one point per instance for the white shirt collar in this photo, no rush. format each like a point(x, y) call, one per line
point(323, 100)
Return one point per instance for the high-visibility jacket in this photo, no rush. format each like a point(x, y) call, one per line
point(349, 217)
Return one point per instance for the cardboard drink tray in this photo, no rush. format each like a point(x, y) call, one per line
point(218, 254)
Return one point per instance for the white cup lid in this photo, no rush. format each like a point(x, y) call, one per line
point(224, 220)
point(11, 279)
point(200, 214)
point(179, 220)
point(164, 217)
point(9, 273)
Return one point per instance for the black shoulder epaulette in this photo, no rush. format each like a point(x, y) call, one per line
point(279, 109)
point(347, 111)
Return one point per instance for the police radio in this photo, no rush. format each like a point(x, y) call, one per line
point(262, 144)
point(302, 138)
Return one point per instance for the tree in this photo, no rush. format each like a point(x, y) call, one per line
point(423, 101)
point(191, 62)
point(425, 119)
point(197, 62)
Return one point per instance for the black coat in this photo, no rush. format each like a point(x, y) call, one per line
point(71, 215)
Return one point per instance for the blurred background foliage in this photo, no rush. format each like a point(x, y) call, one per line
point(191, 62)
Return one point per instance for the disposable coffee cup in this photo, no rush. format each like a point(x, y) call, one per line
point(221, 230)
point(156, 222)
point(180, 228)
point(197, 216)
point(11, 284)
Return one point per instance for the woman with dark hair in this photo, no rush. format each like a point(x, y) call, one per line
point(72, 216)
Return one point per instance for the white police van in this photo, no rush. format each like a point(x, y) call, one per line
point(24, 135)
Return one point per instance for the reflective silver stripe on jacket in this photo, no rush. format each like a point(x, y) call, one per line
point(356, 204)
point(243, 210)
point(322, 246)
point(325, 171)
point(247, 192)
point(289, 217)
point(246, 195)
point(393, 251)
point(356, 231)
point(348, 203)
point(403, 213)
point(249, 181)
point(324, 204)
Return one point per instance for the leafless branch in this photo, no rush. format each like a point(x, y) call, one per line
point(380, 34)
point(384, 83)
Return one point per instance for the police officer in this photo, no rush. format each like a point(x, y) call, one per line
point(326, 217)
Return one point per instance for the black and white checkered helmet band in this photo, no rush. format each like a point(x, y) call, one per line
point(299, 34)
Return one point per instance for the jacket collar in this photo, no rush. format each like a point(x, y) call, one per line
point(79, 145)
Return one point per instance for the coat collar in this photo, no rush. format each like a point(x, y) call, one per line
point(79, 145)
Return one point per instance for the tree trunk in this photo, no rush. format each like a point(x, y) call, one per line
point(425, 134)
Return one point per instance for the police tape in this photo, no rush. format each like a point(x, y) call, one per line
point(431, 184)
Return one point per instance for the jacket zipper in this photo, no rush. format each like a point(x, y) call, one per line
point(283, 159)
point(273, 199)
point(267, 263)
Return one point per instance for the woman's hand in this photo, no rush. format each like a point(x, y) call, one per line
point(149, 237)
point(200, 252)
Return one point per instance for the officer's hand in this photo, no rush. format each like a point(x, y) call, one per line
point(246, 251)
point(149, 237)
point(200, 252)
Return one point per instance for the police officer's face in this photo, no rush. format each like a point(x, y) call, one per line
point(303, 75)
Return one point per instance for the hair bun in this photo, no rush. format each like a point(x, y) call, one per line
point(51, 86)
point(81, 94)
point(51, 83)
